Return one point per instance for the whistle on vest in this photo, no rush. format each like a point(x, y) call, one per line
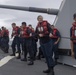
point(21, 32)
point(30, 34)
point(41, 35)
point(50, 35)
point(13, 32)
point(40, 29)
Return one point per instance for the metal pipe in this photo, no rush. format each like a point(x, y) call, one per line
point(32, 9)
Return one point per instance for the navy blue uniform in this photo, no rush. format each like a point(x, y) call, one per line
point(56, 36)
point(16, 40)
point(45, 42)
point(27, 44)
point(34, 43)
point(5, 40)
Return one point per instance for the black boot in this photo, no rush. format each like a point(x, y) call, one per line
point(56, 62)
point(24, 59)
point(31, 63)
point(17, 51)
point(28, 56)
point(12, 55)
point(38, 58)
point(19, 56)
point(51, 72)
point(46, 71)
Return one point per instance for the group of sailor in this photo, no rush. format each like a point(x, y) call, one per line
point(25, 40)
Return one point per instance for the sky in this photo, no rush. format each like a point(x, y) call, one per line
point(9, 16)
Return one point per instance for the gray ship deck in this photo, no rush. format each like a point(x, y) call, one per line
point(16, 67)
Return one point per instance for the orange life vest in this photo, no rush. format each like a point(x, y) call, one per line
point(74, 32)
point(54, 33)
point(15, 31)
point(4, 33)
point(42, 28)
point(24, 33)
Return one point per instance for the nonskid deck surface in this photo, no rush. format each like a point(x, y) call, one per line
point(16, 67)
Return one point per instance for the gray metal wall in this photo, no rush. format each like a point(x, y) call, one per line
point(64, 21)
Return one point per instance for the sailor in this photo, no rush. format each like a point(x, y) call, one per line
point(44, 32)
point(34, 40)
point(5, 39)
point(16, 40)
point(56, 39)
point(21, 40)
point(27, 46)
point(73, 37)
